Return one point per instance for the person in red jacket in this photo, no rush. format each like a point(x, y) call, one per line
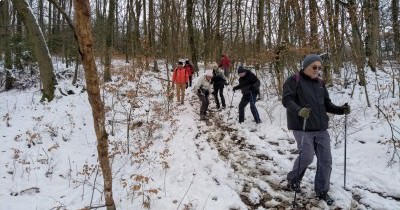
point(189, 71)
point(225, 64)
point(179, 78)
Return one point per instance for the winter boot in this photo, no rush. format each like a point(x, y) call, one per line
point(326, 198)
point(295, 187)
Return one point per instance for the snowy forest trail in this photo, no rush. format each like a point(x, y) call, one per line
point(259, 161)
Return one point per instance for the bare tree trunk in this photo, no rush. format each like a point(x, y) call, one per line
point(269, 21)
point(281, 48)
point(152, 27)
point(84, 33)
point(218, 37)
point(109, 40)
point(314, 38)
point(40, 49)
point(192, 44)
point(371, 40)
point(4, 41)
point(358, 52)
point(396, 28)
point(260, 26)
point(207, 32)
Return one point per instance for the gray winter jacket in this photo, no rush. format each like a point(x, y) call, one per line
point(301, 91)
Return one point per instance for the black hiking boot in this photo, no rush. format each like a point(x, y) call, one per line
point(326, 198)
point(295, 187)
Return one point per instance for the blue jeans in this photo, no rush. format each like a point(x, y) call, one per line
point(249, 98)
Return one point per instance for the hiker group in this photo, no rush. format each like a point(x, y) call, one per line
point(213, 82)
point(307, 103)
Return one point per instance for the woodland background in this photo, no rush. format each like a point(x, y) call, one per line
point(270, 36)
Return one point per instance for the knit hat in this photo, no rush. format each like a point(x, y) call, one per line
point(241, 69)
point(309, 59)
point(209, 72)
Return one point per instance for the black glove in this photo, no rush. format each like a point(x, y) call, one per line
point(304, 112)
point(235, 88)
point(346, 108)
point(187, 85)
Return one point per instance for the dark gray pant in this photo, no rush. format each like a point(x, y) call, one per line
point(318, 143)
point(204, 104)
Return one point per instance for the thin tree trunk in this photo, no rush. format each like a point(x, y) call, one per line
point(5, 38)
point(152, 27)
point(314, 38)
point(396, 28)
point(40, 49)
point(109, 40)
point(371, 41)
point(260, 26)
point(358, 52)
point(84, 33)
point(218, 36)
point(191, 38)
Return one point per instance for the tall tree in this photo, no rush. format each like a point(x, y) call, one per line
point(396, 27)
point(357, 48)
point(314, 38)
point(4, 41)
point(218, 37)
point(371, 40)
point(39, 48)
point(260, 26)
point(152, 26)
point(191, 35)
point(84, 34)
point(109, 40)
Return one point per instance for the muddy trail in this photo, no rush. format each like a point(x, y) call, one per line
point(262, 179)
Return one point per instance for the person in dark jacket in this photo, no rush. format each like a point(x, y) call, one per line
point(219, 81)
point(249, 84)
point(307, 102)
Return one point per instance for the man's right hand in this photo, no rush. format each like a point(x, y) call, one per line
point(304, 112)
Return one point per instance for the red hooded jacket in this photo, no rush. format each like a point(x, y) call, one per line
point(180, 76)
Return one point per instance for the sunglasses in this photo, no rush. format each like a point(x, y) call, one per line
point(317, 67)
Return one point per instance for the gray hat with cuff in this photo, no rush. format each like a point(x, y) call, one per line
point(309, 59)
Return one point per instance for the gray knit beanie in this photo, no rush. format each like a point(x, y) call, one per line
point(309, 59)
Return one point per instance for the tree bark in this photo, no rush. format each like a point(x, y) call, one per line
point(191, 38)
point(396, 28)
point(260, 26)
point(4, 41)
point(109, 40)
point(84, 34)
point(314, 38)
point(371, 41)
point(40, 49)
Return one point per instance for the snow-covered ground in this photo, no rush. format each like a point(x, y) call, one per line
point(48, 154)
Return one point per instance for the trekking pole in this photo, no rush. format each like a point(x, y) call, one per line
point(230, 106)
point(345, 147)
point(300, 153)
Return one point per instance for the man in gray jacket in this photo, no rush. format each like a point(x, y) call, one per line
point(307, 102)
